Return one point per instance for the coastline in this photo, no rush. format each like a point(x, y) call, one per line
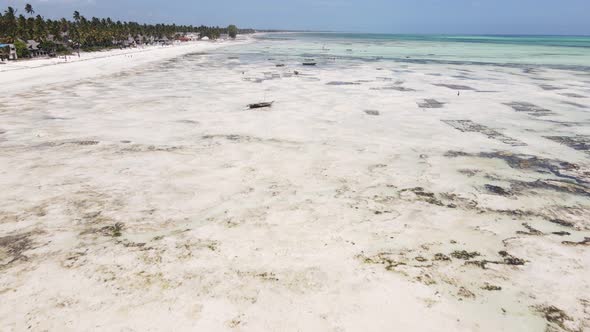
point(25, 74)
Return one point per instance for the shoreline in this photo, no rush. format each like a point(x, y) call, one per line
point(15, 76)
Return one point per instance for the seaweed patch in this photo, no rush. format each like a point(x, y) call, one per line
point(549, 87)
point(578, 142)
point(562, 169)
point(472, 127)
point(529, 108)
point(572, 95)
point(585, 242)
point(394, 87)
point(342, 83)
point(497, 190)
point(13, 248)
point(431, 103)
point(455, 86)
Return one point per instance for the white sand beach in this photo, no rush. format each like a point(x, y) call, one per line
point(24, 74)
point(140, 194)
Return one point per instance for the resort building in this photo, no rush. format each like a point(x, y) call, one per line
point(164, 41)
point(8, 52)
point(34, 50)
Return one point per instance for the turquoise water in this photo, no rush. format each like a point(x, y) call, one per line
point(551, 51)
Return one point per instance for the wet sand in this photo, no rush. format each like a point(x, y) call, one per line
point(151, 198)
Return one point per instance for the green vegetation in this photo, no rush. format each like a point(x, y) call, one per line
point(232, 31)
point(59, 36)
point(21, 49)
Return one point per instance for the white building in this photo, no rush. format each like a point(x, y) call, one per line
point(11, 51)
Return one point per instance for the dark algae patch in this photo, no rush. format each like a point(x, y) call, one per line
point(342, 83)
point(554, 316)
point(441, 257)
point(506, 259)
point(529, 108)
point(372, 112)
point(530, 230)
point(578, 142)
point(431, 103)
point(465, 255)
point(472, 127)
point(455, 86)
point(13, 248)
point(549, 87)
point(585, 242)
point(572, 95)
point(382, 259)
point(114, 230)
point(490, 287)
point(395, 88)
point(424, 195)
point(497, 190)
point(561, 222)
point(509, 259)
point(574, 173)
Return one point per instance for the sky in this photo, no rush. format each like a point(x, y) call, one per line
point(548, 17)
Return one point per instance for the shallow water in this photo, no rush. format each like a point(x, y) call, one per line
point(548, 51)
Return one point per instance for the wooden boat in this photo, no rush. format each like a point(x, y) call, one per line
point(309, 63)
point(260, 105)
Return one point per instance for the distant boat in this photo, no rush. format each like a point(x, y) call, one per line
point(260, 105)
point(309, 63)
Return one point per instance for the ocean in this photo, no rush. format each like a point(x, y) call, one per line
point(562, 52)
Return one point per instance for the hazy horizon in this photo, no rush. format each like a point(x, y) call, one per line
point(462, 17)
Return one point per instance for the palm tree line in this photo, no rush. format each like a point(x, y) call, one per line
point(64, 35)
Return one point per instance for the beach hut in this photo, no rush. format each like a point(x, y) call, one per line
point(34, 50)
point(163, 41)
point(192, 36)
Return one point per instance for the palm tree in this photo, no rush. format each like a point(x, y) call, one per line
point(29, 9)
point(77, 28)
point(11, 23)
point(95, 32)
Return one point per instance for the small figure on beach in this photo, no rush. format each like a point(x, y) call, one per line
point(458, 93)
